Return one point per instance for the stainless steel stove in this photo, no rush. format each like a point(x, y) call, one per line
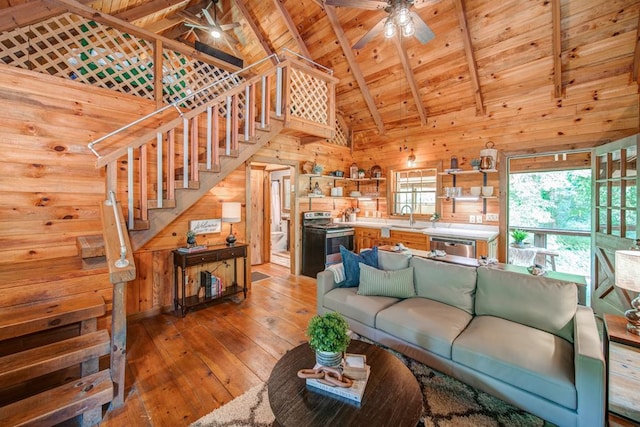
point(321, 241)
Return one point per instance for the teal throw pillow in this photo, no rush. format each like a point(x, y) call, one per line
point(351, 263)
point(387, 283)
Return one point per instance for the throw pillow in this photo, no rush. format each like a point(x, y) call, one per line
point(351, 263)
point(394, 283)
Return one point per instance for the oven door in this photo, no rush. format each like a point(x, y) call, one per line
point(334, 240)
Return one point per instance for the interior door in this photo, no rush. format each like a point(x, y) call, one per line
point(615, 218)
point(256, 228)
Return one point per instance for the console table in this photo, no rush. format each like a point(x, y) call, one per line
point(183, 260)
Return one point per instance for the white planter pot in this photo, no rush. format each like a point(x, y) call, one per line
point(328, 358)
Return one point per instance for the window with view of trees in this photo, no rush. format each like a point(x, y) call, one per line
point(554, 208)
point(415, 188)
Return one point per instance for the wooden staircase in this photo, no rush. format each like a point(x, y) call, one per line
point(45, 343)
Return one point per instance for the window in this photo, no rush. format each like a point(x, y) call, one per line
point(415, 188)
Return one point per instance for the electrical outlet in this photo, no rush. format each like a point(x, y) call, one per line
point(492, 217)
point(472, 219)
point(479, 219)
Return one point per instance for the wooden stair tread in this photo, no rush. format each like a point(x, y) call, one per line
point(42, 271)
point(61, 403)
point(90, 246)
point(32, 363)
point(28, 318)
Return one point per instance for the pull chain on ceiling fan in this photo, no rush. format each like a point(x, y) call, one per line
point(401, 19)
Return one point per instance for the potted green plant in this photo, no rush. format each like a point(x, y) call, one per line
point(191, 238)
point(328, 337)
point(475, 164)
point(518, 237)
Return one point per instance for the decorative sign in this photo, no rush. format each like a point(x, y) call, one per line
point(206, 226)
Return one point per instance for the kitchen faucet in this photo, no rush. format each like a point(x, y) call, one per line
point(411, 221)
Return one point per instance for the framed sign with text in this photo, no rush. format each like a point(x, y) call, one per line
point(205, 226)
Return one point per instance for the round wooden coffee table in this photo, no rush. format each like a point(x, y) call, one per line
point(392, 396)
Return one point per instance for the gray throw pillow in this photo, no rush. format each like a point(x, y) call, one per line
point(396, 283)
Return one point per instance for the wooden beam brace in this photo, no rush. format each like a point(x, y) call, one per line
point(164, 24)
point(242, 6)
point(89, 13)
point(151, 8)
point(292, 28)
point(355, 68)
point(557, 47)
point(408, 72)
point(471, 61)
point(30, 12)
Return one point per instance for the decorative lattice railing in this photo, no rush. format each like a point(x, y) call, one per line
point(73, 47)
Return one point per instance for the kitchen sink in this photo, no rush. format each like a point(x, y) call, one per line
point(406, 227)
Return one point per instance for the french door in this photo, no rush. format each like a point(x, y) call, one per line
point(615, 218)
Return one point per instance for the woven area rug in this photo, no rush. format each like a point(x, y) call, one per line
point(447, 402)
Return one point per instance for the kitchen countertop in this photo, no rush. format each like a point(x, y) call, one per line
point(475, 232)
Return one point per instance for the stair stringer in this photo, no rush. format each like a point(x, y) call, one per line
point(159, 219)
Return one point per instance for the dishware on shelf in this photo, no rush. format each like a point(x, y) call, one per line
point(355, 194)
point(475, 191)
point(487, 190)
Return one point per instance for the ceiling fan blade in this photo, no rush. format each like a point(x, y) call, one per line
point(207, 15)
point(423, 32)
point(226, 27)
point(200, 27)
point(418, 4)
point(377, 29)
point(359, 4)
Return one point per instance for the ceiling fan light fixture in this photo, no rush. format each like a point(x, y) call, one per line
point(215, 33)
point(389, 28)
point(402, 17)
point(408, 29)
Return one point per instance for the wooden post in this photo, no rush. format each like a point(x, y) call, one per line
point(118, 343)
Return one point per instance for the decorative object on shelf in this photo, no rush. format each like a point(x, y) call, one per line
point(328, 337)
point(191, 239)
point(475, 191)
point(490, 152)
point(307, 167)
point(475, 164)
point(316, 190)
point(339, 174)
point(454, 162)
point(435, 218)
point(231, 213)
point(518, 237)
point(486, 162)
point(487, 190)
point(411, 160)
point(361, 173)
point(353, 171)
point(317, 169)
point(627, 276)
point(376, 171)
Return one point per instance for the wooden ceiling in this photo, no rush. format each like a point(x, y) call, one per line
point(483, 51)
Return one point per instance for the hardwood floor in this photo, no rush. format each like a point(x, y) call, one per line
point(180, 369)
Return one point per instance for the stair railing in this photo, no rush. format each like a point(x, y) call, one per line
point(203, 137)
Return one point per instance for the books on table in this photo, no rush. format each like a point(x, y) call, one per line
point(353, 393)
point(193, 249)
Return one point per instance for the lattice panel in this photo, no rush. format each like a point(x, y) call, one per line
point(182, 76)
point(72, 47)
point(341, 137)
point(309, 97)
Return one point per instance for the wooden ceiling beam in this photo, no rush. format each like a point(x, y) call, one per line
point(242, 7)
point(411, 80)
point(29, 13)
point(292, 29)
point(355, 68)
point(148, 9)
point(165, 24)
point(557, 47)
point(471, 61)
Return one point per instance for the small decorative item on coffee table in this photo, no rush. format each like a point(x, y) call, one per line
point(328, 337)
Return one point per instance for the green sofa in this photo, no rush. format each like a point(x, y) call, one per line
point(523, 339)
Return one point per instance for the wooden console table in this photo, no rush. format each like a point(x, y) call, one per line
point(212, 254)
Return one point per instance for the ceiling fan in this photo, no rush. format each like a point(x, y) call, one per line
point(214, 27)
point(400, 20)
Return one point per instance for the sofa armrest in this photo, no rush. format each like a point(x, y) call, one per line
point(325, 282)
point(590, 369)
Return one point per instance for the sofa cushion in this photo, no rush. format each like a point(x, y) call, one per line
point(426, 323)
point(395, 283)
point(448, 283)
point(528, 358)
point(393, 261)
point(351, 263)
point(357, 307)
point(534, 301)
